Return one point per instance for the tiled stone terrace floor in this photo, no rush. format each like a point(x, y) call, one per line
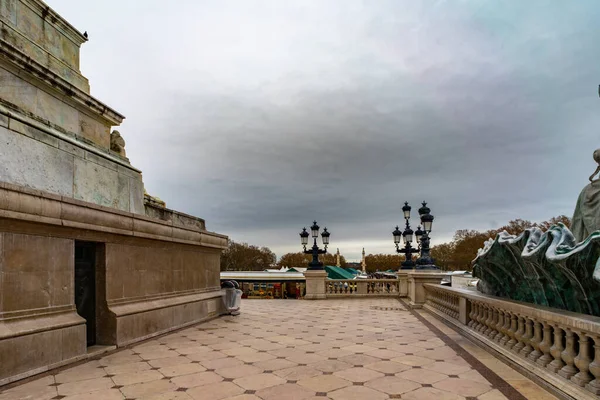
point(289, 349)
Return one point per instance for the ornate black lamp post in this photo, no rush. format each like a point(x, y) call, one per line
point(425, 261)
point(422, 236)
point(315, 264)
point(407, 235)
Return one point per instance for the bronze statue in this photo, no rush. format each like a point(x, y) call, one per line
point(597, 159)
point(586, 218)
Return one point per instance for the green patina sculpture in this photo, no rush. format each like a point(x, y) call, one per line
point(557, 268)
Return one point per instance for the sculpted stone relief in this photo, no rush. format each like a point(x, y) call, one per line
point(117, 143)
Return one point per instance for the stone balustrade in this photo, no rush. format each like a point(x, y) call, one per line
point(362, 287)
point(561, 347)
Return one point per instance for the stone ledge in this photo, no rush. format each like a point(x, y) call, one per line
point(170, 317)
point(24, 122)
point(129, 305)
point(36, 312)
point(40, 351)
point(38, 323)
point(17, 202)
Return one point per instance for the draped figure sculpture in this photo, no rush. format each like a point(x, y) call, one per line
point(558, 268)
point(586, 218)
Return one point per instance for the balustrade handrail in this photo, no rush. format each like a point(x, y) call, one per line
point(562, 318)
point(361, 280)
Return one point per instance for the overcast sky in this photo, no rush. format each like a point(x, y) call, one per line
point(260, 116)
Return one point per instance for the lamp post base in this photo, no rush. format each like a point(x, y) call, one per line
point(315, 266)
point(315, 285)
point(428, 267)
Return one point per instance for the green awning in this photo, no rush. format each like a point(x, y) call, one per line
point(337, 273)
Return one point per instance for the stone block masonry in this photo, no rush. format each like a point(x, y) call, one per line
point(84, 259)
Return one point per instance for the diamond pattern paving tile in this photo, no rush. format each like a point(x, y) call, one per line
point(368, 348)
point(422, 375)
point(260, 381)
point(285, 392)
point(297, 373)
point(357, 393)
point(388, 367)
point(463, 387)
point(429, 393)
point(358, 374)
point(324, 383)
point(198, 379)
point(392, 385)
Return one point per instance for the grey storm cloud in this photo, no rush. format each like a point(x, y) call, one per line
point(260, 116)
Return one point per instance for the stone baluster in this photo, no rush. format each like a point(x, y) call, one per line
point(472, 314)
point(527, 338)
point(519, 335)
point(514, 321)
point(505, 329)
point(556, 350)
point(568, 356)
point(483, 316)
point(594, 367)
point(545, 346)
point(499, 327)
point(498, 322)
point(478, 311)
point(583, 360)
point(490, 322)
point(536, 341)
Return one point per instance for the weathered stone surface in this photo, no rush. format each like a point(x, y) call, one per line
point(35, 279)
point(34, 29)
point(100, 185)
point(8, 11)
point(136, 195)
point(34, 164)
point(17, 91)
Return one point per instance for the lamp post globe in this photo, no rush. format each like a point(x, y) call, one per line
point(406, 210)
point(418, 235)
point(315, 230)
point(407, 235)
point(397, 236)
point(325, 237)
point(304, 237)
point(427, 221)
point(424, 209)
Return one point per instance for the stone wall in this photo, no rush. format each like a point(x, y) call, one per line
point(151, 277)
point(64, 187)
point(52, 107)
point(36, 30)
point(47, 160)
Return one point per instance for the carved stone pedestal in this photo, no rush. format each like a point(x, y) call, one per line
point(315, 285)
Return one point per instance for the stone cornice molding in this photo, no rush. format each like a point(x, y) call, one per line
point(63, 136)
point(78, 97)
point(53, 18)
point(20, 203)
